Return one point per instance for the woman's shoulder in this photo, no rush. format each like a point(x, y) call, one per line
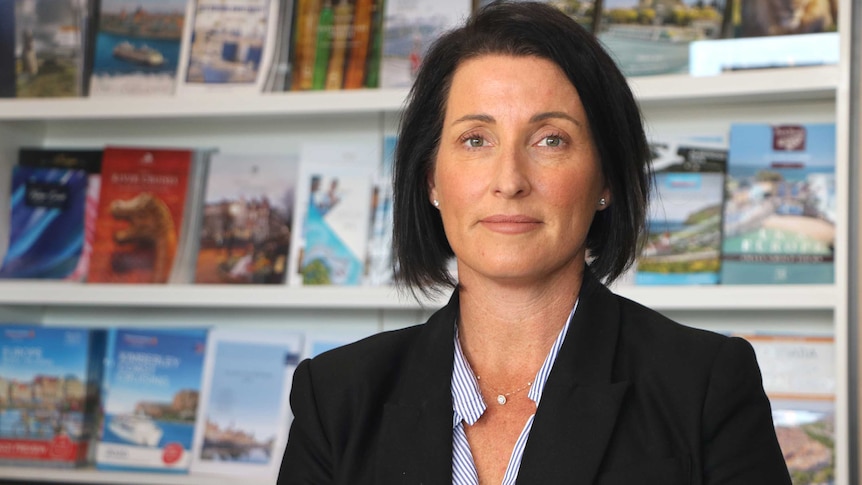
point(377, 349)
point(649, 335)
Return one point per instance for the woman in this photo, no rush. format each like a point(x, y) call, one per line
point(521, 151)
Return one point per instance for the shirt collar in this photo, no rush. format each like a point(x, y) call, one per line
point(467, 402)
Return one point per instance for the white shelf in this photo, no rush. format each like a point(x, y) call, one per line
point(788, 84)
point(126, 478)
point(37, 293)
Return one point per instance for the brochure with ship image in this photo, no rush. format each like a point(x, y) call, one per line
point(779, 213)
point(684, 221)
point(51, 378)
point(150, 396)
point(244, 409)
point(137, 47)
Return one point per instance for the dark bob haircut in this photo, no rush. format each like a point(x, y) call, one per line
point(521, 29)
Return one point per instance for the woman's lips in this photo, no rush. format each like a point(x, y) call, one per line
point(510, 224)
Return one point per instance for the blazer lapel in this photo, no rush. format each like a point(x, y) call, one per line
point(579, 406)
point(416, 431)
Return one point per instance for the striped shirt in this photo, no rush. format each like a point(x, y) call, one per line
point(469, 406)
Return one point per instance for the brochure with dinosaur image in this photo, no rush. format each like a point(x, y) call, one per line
point(142, 206)
point(151, 387)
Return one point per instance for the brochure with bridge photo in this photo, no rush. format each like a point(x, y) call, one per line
point(137, 47)
point(150, 394)
point(779, 212)
point(244, 413)
point(684, 220)
point(228, 46)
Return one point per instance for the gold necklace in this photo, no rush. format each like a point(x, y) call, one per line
point(502, 396)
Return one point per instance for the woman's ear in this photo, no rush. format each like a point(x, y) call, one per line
point(604, 200)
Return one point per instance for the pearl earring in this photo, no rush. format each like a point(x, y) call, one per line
point(602, 202)
point(436, 203)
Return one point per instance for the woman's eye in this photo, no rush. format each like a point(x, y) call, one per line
point(551, 141)
point(475, 141)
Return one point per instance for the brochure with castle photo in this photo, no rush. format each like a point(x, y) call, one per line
point(50, 378)
point(150, 396)
point(684, 220)
point(779, 215)
point(244, 410)
point(142, 205)
point(247, 219)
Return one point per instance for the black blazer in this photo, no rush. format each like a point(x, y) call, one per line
point(633, 398)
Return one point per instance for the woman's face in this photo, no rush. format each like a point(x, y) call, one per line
point(516, 175)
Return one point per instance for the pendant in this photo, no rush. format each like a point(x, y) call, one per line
point(501, 399)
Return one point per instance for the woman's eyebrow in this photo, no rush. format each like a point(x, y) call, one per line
point(554, 114)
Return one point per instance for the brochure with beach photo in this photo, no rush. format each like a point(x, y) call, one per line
point(684, 220)
point(137, 47)
point(150, 395)
point(244, 410)
point(779, 213)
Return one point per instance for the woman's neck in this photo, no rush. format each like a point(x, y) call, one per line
point(506, 332)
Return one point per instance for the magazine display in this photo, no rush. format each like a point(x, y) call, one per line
point(380, 271)
point(149, 399)
point(244, 410)
point(50, 378)
point(779, 214)
point(7, 49)
point(684, 220)
point(142, 207)
point(137, 47)
point(247, 219)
